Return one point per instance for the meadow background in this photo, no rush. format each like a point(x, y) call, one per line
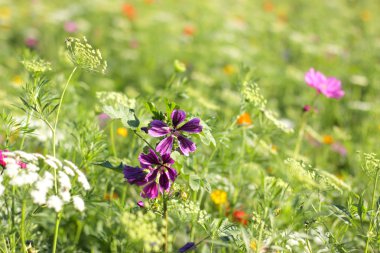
point(243, 190)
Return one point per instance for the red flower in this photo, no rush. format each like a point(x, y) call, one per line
point(240, 217)
point(188, 30)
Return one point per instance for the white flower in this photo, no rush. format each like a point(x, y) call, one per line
point(39, 196)
point(26, 156)
point(64, 180)
point(45, 183)
point(66, 196)
point(78, 203)
point(55, 203)
point(54, 160)
point(11, 170)
point(51, 163)
point(2, 188)
point(68, 171)
point(83, 180)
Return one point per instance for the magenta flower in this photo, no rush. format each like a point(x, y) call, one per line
point(2, 157)
point(328, 86)
point(155, 174)
point(160, 129)
point(31, 42)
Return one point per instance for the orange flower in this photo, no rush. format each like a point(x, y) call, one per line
point(328, 139)
point(268, 6)
point(129, 11)
point(244, 119)
point(240, 217)
point(188, 30)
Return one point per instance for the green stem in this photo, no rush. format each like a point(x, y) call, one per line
point(302, 129)
point(59, 109)
point(13, 208)
point(22, 228)
point(112, 137)
point(373, 208)
point(57, 221)
point(165, 207)
point(142, 138)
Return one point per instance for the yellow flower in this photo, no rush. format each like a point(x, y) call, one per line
point(219, 197)
point(5, 12)
point(365, 15)
point(327, 139)
point(253, 245)
point(122, 131)
point(17, 80)
point(244, 119)
point(228, 69)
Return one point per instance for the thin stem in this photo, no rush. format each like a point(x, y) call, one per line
point(59, 109)
point(142, 138)
point(112, 137)
point(22, 228)
point(57, 221)
point(372, 216)
point(13, 208)
point(302, 129)
point(165, 207)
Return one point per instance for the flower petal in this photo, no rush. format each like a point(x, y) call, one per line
point(166, 159)
point(158, 128)
point(152, 175)
point(192, 126)
point(165, 146)
point(177, 117)
point(149, 159)
point(172, 173)
point(187, 247)
point(186, 145)
point(164, 182)
point(150, 191)
point(134, 175)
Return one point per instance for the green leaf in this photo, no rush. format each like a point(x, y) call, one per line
point(108, 165)
point(194, 182)
point(206, 135)
point(130, 120)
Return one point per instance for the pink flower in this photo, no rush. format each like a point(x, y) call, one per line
point(70, 27)
point(328, 86)
point(31, 42)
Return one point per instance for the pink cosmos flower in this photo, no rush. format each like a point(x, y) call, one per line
point(328, 86)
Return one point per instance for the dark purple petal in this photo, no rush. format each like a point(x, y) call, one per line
point(166, 159)
point(152, 175)
point(149, 159)
point(164, 182)
point(177, 117)
point(172, 173)
point(186, 145)
point(165, 146)
point(187, 247)
point(134, 175)
point(158, 128)
point(150, 191)
point(192, 126)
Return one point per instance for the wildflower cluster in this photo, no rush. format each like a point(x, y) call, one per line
point(83, 55)
point(138, 225)
point(156, 173)
point(36, 65)
point(34, 174)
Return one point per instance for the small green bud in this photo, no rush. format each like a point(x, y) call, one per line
point(179, 66)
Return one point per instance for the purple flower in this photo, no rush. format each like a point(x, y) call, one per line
point(155, 174)
point(103, 118)
point(141, 204)
point(187, 247)
point(159, 129)
point(31, 42)
point(328, 86)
